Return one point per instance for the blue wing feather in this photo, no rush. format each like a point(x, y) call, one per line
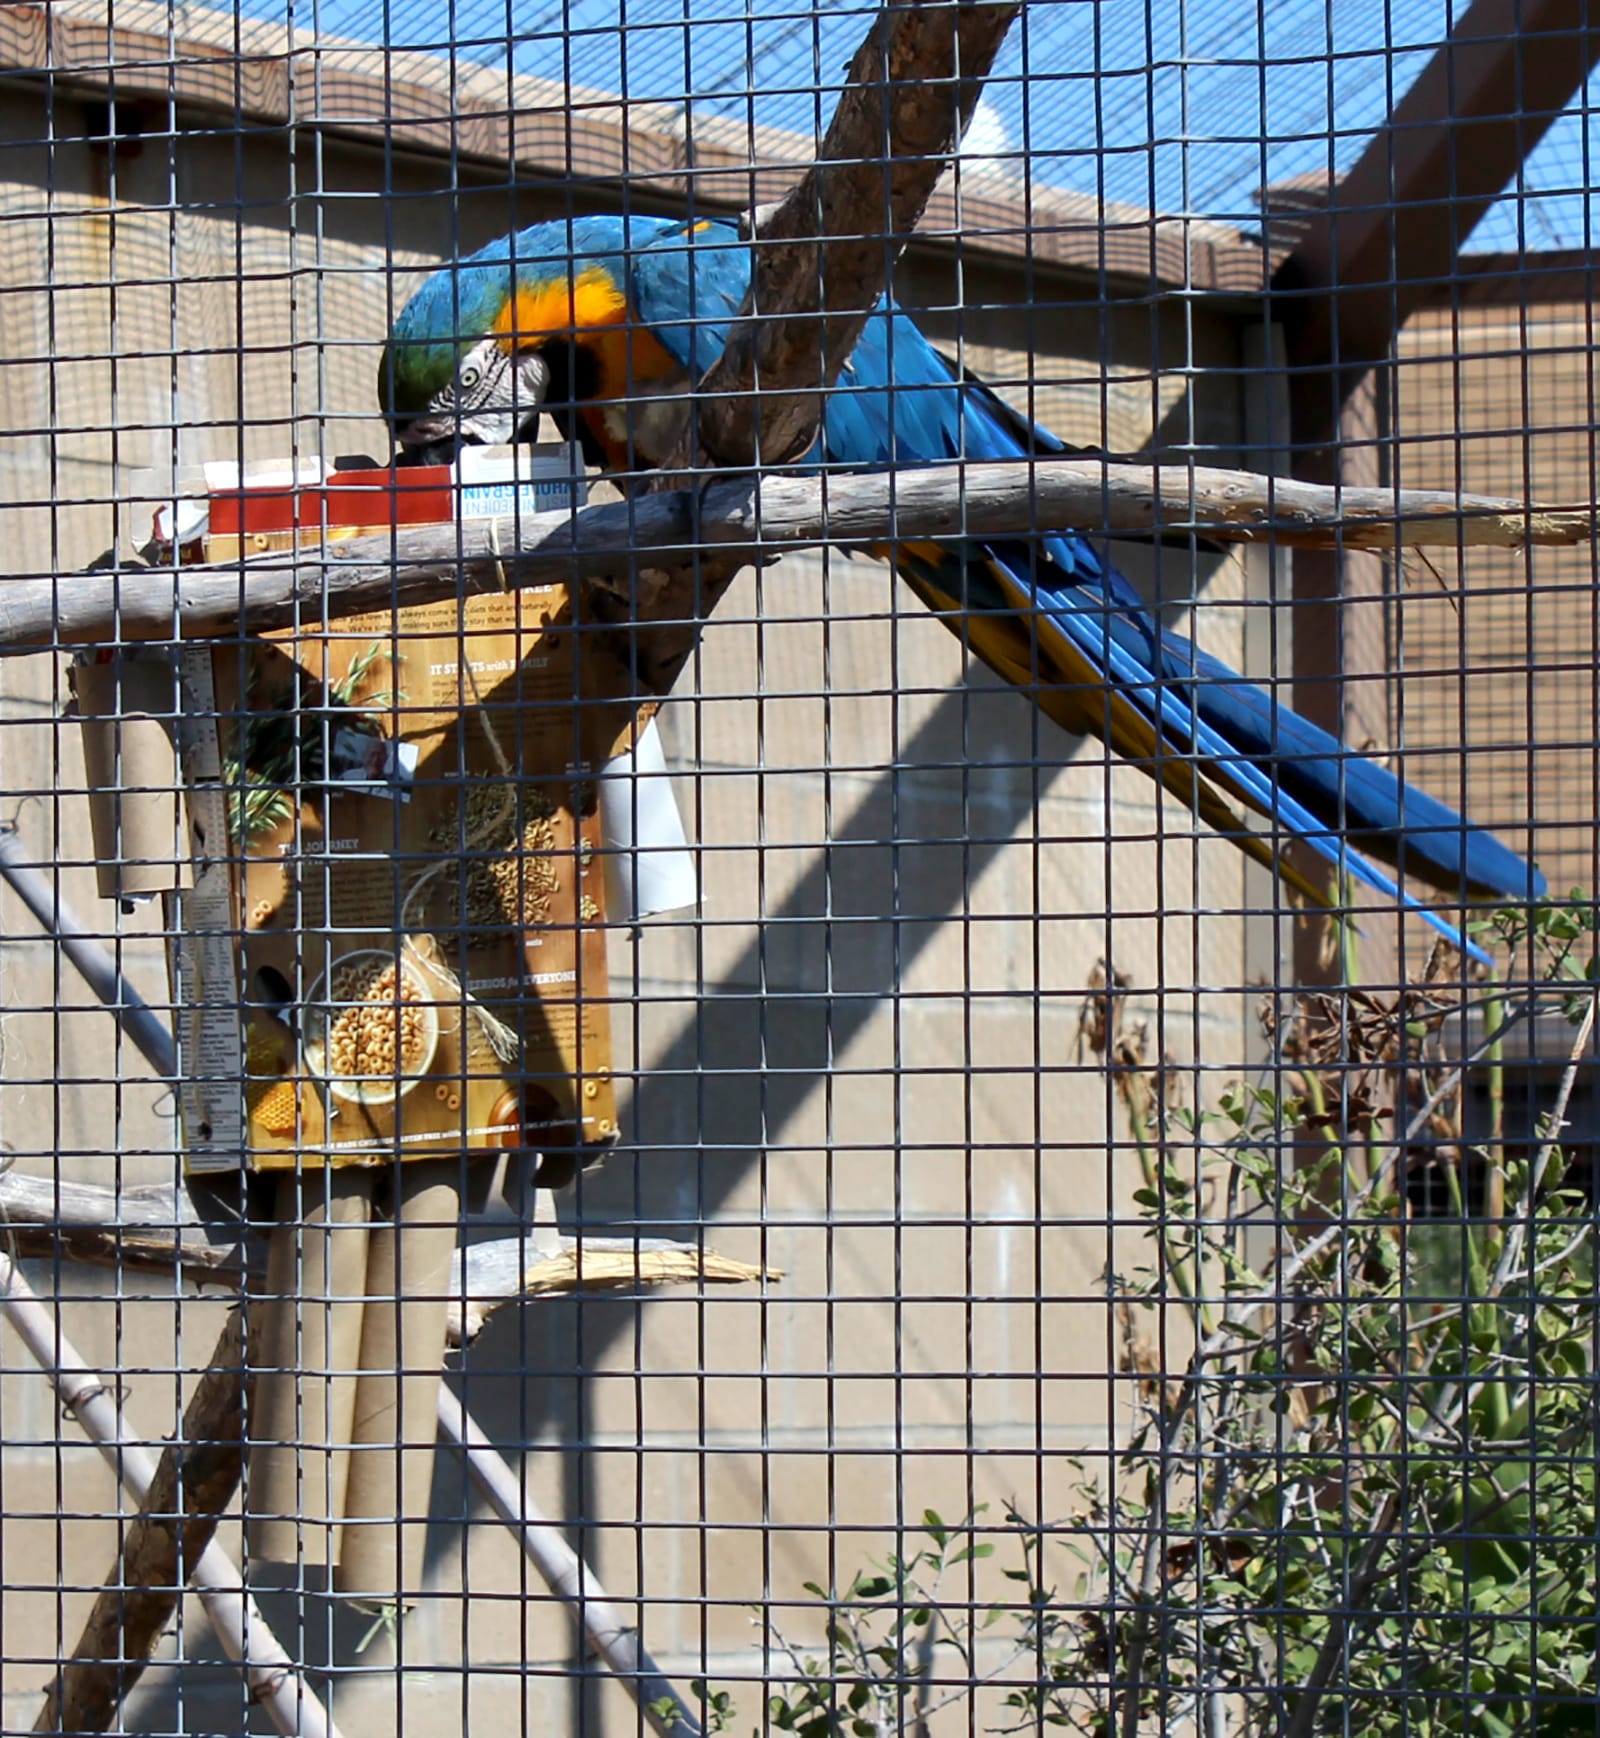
point(1287, 767)
point(899, 402)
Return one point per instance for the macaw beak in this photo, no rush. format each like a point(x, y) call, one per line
point(421, 443)
point(435, 440)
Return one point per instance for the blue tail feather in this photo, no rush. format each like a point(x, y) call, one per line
point(1165, 704)
point(900, 401)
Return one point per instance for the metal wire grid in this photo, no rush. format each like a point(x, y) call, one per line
point(953, 979)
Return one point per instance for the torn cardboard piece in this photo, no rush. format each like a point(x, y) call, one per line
point(398, 831)
point(127, 706)
point(649, 867)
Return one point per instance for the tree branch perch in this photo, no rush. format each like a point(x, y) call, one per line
point(194, 1482)
point(824, 253)
point(740, 520)
point(155, 1229)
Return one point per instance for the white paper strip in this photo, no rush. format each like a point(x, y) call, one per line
point(649, 867)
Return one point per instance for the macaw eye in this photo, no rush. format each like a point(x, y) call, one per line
point(470, 376)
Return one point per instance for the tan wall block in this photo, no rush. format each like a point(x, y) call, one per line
point(53, 1561)
point(370, 1701)
point(449, 1702)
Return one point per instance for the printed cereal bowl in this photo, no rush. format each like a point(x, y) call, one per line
point(371, 1028)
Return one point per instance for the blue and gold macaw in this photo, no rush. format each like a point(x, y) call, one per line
point(607, 323)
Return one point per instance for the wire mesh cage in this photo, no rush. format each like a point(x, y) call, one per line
point(797, 812)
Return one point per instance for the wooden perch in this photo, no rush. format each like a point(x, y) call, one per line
point(274, 1680)
point(155, 1229)
point(150, 1228)
point(745, 521)
point(823, 254)
point(194, 1482)
point(196, 1477)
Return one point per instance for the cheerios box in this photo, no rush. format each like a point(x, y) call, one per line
point(394, 940)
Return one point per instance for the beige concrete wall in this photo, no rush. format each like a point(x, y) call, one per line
point(859, 1063)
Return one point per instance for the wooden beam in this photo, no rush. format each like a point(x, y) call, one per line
point(823, 255)
point(1559, 277)
point(1393, 226)
point(586, 142)
point(1378, 248)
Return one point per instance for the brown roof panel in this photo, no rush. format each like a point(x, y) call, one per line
point(427, 103)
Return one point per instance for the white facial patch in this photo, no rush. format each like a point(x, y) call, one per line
point(489, 400)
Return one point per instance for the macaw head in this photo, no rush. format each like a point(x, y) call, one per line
point(483, 397)
point(528, 323)
point(602, 321)
point(449, 377)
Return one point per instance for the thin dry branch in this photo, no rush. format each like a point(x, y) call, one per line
point(148, 1228)
point(155, 1229)
point(738, 521)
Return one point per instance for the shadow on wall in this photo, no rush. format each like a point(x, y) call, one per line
point(743, 1066)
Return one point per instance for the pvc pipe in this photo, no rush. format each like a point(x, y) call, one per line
point(616, 1641)
point(273, 1680)
point(92, 958)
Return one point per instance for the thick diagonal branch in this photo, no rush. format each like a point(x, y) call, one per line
point(824, 253)
point(823, 258)
point(194, 1482)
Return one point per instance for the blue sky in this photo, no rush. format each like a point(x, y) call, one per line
point(1176, 105)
